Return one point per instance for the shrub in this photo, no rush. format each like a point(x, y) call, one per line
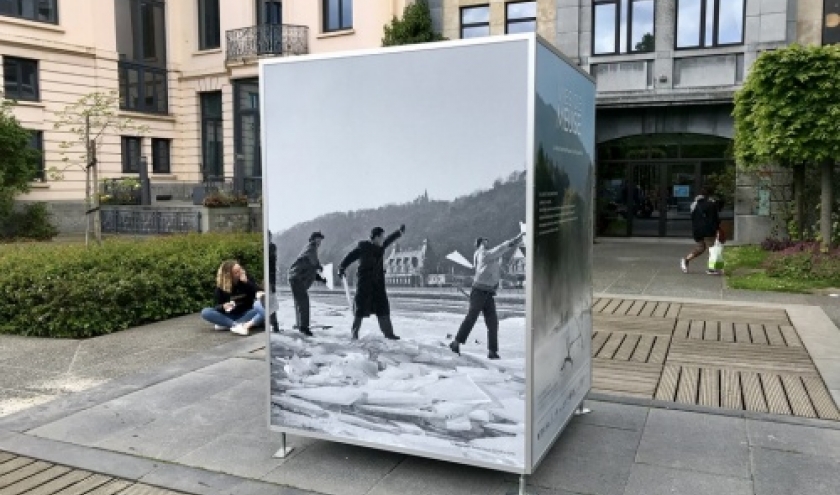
point(71, 291)
point(223, 199)
point(805, 262)
point(30, 222)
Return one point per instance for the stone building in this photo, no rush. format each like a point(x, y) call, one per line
point(188, 69)
point(666, 73)
point(407, 267)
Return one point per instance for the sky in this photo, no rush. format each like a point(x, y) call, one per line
point(351, 133)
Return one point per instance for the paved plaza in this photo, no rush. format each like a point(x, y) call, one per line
point(698, 389)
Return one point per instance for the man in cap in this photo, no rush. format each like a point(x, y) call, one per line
point(488, 272)
point(371, 297)
point(303, 272)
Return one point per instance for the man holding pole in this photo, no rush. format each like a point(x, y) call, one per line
point(371, 297)
point(488, 272)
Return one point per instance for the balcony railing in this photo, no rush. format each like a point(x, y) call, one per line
point(267, 39)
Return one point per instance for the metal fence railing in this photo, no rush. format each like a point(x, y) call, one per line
point(149, 222)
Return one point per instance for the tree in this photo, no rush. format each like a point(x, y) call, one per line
point(18, 161)
point(788, 114)
point(414, 27)
point(89, 120)
point(647, 43)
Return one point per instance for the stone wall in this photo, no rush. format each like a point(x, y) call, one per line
point(235, 219)
point(67, 216)
point(762, 203)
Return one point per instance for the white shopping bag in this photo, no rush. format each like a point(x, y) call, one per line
point(716, 256)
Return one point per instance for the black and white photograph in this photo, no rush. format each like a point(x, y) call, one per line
point(396, 215)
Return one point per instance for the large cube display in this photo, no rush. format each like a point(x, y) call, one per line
point(475, 161)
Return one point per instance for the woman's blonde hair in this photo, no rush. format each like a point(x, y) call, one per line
point(224, 277)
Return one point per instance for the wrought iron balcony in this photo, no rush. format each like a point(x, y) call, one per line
point(267, 40)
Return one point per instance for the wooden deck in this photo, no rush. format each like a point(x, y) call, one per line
point(25, 476)
point(706, 354)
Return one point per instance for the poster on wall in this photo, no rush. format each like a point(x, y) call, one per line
point(561, 315)
point(398, 195)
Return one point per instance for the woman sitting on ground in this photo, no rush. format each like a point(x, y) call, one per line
point(237, 307)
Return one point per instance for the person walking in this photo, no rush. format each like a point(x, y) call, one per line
point(705, 225)
point(237, 308)
point(371, 297)
point(488, 272)
point(303, 272)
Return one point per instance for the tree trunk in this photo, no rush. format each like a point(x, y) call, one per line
point(799, 199)
point(97, 218)
point(87, 181)
point(827, 203)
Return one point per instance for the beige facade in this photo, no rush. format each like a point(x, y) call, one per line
point(78, 55)
point(546, 16)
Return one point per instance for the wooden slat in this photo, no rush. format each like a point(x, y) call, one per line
point(798, 397)
point(27, 484)
point(710, 332)
point(15, 464)
point(642, 352)
point(753, 395)
point(746, 357)
point(636, 308)
point(625, 378)
point(667, 389)
point(638, 325)
point(757, 333)
point(661, 310)
point(742, 333)
point(5, 456)
point(695, 330)
point(612, 345)
point(81, 488)
point(600, 305)
point(687, 388)
point(598, 340)
point(627, 347)
point(774, 393)
point(612, 306)
point(24, 472)
point(709, 388)
point(624, 307)
point(648, 309)
point(730, 390)
point(141, 489)
point(790, 335)
point(823, 403)
point(674, 311)
point(735, 314)
point(681, 329)
point(111, 488)
point(774, 335)
point(727, 331)
point(660, 350)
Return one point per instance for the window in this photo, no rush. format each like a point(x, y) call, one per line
point(831, 26)
point(32, 10)
point(36, 142)
point(212, 142)
point(20, 79)
point(520, 17)
point(622, 26)
point(160, 156)
point(338, 15)
point(475, 21)
point(130, 155)
point(209, 25)
point(710, 23)
point(269, 12)
point(141, 43)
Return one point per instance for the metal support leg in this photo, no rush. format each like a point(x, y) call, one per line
point(522, 487)
point(284, 450)
point(582, 411)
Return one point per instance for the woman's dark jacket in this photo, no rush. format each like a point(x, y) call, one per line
point(370, 277)
point(242, 293)
point(705, 221)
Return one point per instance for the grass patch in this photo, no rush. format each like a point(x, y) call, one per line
point(747, 269)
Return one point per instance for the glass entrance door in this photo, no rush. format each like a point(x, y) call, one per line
point(645, 200)
point(681, 182)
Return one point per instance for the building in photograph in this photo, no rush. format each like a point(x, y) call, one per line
point(407, 267)
point(666, 74)
point(187, 69)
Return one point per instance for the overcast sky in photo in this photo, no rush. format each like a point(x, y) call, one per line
point(358, 132)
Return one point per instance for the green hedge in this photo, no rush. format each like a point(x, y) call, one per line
point(50, 290)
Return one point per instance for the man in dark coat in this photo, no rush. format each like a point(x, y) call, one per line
point(370, 280)
point(705, 224)
point(272, 282)
point(303, 272)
